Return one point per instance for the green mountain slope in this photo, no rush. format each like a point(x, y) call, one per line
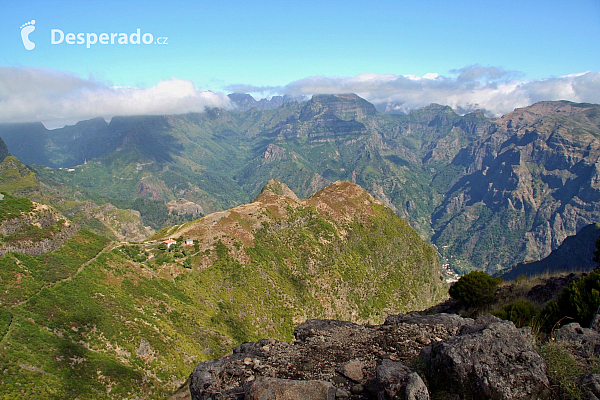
point(104, 324)
point(76, 204)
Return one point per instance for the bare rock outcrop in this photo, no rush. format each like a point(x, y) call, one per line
point(487, 358)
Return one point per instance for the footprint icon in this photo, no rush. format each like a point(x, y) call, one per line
point(26, 29)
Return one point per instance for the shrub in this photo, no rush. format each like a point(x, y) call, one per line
point(521, 312)
point(579, 301)
point(475, 289)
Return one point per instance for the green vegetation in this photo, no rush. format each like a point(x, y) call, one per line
point(577, 302)
point(16, 178)
point(154, 212)
point(521, 312)
point(22, 275)
point(11, 207)
point(483, 208)
point(475, 289)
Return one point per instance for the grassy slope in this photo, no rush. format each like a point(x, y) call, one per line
point(109, 327)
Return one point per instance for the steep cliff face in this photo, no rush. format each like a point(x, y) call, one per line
point(3, 150)
point(343, 106)
point(529, 184)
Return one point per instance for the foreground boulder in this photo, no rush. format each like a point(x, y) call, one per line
point(489, 360)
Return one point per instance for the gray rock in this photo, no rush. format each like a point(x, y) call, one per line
point(264, 388)
point(205, 383)
point(353, 370)
point(493, 361)
point(586, 341)
point(396, 381)
point(415, 388)
point(595, 324)
point(219, 379)
point(356, 389)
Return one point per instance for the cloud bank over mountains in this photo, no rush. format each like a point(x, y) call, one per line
point(491, 89)
point(57, 98)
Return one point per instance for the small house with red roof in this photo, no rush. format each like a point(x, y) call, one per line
point(169, 242)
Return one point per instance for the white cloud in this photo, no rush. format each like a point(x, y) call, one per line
point(56, 97)
point(491, 89)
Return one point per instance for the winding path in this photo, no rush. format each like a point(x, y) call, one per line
point(108, 248)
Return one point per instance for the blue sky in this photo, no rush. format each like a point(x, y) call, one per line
point(378, 48)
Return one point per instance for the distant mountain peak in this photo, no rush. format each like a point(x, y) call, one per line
point(345, 106)
point(534, 112)
point(245, 101)
point(276, 188)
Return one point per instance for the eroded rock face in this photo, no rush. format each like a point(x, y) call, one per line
point(491, 359)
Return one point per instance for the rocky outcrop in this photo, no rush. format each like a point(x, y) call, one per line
point(488, 360)
point(397, 381)
point(482, 359)
point(35, 248)
point(50, 231)
point(584, 341)
point(145, 189)
point(286, 389)
point(184, 206)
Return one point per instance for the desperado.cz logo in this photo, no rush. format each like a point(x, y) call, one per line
point(26, 29)
point(57, 36)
